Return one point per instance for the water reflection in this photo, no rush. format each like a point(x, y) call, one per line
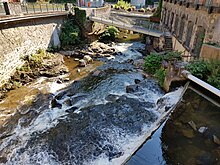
point(189, 137)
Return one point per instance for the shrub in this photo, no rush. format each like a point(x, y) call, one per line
point(207, 71)
point(160, 75)
point(110, 34)
point(70, 34)
point(122, 5)
point(152, 63)
point(172, 56)
point(200, 69)
point(214, 77)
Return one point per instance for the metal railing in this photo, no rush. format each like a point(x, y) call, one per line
point(151, 29)
point(41, 7)
point(30, 8)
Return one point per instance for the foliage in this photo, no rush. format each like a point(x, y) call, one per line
point(153, 63)
point(160, 75)
point(110, 34)
point(159, 9)
point(80, 16)
point(200, 69)
point(35, 60)
point(70, 34)
point(121, 4)
point(149, 2)
point(174, 55)
point(208, 71)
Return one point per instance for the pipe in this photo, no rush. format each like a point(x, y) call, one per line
point(205, 85)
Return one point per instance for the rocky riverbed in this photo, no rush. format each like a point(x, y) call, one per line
point(99, 119)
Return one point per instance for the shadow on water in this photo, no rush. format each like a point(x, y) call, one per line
point(189, 137)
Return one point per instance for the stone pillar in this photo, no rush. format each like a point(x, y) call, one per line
point(12, 8)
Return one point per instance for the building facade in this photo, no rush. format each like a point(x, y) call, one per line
point(90, 3)
point(195, 24)
point(138, 3)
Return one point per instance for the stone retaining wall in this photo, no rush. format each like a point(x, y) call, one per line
point(19, 39)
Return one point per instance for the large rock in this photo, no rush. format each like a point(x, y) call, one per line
point(82, 63)
point(87, 59)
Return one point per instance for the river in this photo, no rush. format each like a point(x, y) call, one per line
point(100, 119)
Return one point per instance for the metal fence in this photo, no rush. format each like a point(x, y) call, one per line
point(29, 8)
point(41, 7)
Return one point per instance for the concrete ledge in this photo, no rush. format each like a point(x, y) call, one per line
point(32, 16)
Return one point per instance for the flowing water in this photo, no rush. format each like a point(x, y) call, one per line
point(100, 119)
point(178, 141)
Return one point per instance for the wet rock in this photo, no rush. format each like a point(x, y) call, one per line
point(137, 81)
point(87, 59)
point(3, 160)
point(66, 79)
point(55, 104)
point(192, 125)
point(59, 81)
point(131, 88)
point(188, 133)
point(96, 73)
point(82, 63)
point(216, 139)
point(112, 97)
point(202, 129)
point(111, 57)
point(72, 109)
point(67, 53)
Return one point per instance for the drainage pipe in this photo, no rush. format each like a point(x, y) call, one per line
point(205, 85)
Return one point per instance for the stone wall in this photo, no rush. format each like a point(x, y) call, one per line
point(191, 27)
point(19, 39)
point(210, 52)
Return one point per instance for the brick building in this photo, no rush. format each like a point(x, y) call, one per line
point(195, 25)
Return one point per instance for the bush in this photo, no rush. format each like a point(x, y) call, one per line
point(172, 56)
point(110, 34)
point(160, 75)
point(70, 34)
point(122, 5)
point(207, 71)
point(152, 63)
point(200, 69)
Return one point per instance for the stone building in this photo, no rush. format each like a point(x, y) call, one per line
point(195, 25)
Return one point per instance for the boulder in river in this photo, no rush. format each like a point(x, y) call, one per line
point(87, 59)
point(82, 63)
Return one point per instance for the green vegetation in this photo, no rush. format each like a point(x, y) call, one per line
point(121, 4)
point(160, 75)
point(110, 34)
point(80, 16)
point(70, 34)
point(154, 60)
point(153, 64)
point(208, 71)
point(159, 9)
point(35, 60)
